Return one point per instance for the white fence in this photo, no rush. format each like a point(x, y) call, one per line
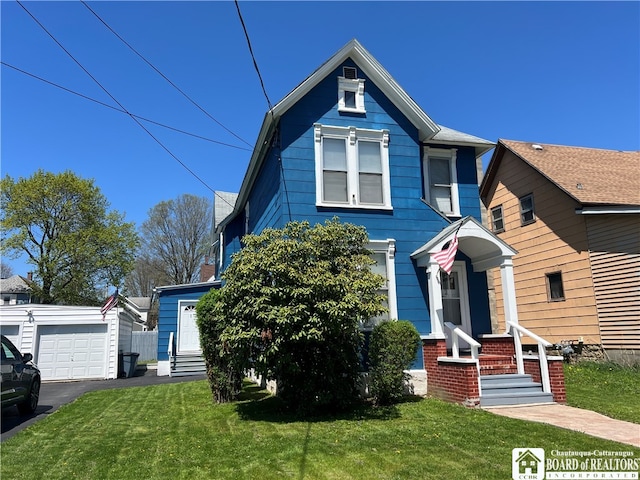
point(146, 344)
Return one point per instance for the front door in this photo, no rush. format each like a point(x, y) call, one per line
point(455, 301)
point(188, 334)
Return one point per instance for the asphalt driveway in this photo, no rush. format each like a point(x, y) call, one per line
point(55, 394)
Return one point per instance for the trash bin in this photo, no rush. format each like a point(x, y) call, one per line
point(129, 363)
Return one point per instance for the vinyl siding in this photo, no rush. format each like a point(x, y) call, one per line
point(168, 313)
point(555, 242)
point(614, 244)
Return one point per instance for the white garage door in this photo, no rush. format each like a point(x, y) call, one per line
point(68, 352)
point(12, 332)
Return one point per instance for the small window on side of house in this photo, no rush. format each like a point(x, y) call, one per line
point(497, 219)
point(555, 289)
point(441, 183)
point(527, 213)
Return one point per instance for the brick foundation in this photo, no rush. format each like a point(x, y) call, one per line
point(447, 379)
point(456, 380)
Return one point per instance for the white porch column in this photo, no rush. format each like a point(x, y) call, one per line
point(435, 300)
point(508, 292)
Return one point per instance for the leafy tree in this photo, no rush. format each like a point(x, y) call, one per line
point(296, 297)
point(176, 236)
point(392, 350)
point(62, 223)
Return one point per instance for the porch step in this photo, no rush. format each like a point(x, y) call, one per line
point(186, 365)
point(511, 389)
point(497, 365)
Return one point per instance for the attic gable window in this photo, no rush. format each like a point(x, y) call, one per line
point(441, 180)
point(350, 91)
point(352, 167)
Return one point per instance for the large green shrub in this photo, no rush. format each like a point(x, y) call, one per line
point(392, 350)
point(296, 296)
point(224, 362)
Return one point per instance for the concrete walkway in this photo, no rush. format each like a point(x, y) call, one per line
point(577, 419)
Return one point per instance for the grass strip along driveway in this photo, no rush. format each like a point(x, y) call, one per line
point(175, 431)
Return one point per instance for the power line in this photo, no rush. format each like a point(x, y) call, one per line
point(120, 110)
point(120, 105)
point(255, 64)
point(163, 75)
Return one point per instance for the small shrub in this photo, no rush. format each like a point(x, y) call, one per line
point(392, 350)
point(224, 367)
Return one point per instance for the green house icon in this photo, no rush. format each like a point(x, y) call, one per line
point(528, 463)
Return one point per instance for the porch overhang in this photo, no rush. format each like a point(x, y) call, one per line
point(485, 249)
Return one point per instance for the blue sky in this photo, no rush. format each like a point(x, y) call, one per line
point(550, 72)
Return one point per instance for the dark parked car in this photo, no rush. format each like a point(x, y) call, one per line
point(20, 379)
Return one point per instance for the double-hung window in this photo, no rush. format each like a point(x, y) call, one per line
point(497, 219)
point(441, 182)
point(383, 253)
point(352, 167)
point(527, 212)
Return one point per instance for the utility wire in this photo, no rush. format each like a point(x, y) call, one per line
point(120, 110)
point(255, 64)
point(120, 105)
point(163, 75)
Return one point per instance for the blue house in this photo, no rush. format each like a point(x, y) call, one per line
point(349, 142)
point(179, 351)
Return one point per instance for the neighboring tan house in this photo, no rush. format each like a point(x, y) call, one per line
point(573, 215)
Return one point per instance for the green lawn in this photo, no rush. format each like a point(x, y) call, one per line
point(174, 431)
point(606, 388)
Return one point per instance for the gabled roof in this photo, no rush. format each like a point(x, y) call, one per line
point(427, 128)
point(141, 303)
point(14, 284)
point(591, 176)
point(483, 247)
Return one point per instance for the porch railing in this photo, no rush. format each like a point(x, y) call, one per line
point(542, 355)
point(456, 334)
point(171, 342)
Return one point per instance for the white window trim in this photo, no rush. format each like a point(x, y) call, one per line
point(388, 247)
point(351, 85)
point(451, 154)
point(352, 134)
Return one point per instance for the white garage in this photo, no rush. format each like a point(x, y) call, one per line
point(69, 343)
point(72, 351)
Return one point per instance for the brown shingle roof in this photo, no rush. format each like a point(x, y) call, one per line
point(590, 175)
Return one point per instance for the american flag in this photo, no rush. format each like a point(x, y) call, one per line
point(111, 302)
point(446, 256)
